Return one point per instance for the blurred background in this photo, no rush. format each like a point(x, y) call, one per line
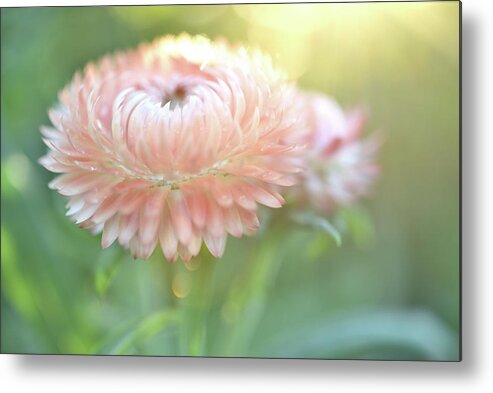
point(389, 291)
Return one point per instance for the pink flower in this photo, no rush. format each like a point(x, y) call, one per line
point(174, 143)
point(340, 163)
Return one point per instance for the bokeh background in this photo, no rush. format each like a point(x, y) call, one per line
point(390, 291)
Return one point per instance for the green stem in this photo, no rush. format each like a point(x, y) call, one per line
point(263, 264)
point(195, 308)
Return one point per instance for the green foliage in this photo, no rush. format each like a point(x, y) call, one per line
point(138, 334)
point(358, 225)
point(353, 334)
point(320, 223)
point(106, 268)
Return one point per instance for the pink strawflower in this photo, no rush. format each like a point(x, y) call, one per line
point(340, 164)
point(175, 142)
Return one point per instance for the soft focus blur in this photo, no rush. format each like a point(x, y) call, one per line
point(389, 291)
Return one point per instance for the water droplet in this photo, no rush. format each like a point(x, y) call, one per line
point(181, 285)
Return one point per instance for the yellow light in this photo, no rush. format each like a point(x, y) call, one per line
point(290, 31)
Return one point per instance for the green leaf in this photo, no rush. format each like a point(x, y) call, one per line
point(140, 333)
point(364, 333)
point(359, 225)
point(310, 219)
point(106, 268)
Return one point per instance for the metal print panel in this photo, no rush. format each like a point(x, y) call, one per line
point(268, 180)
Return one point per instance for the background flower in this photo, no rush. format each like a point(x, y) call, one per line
point(341, 164)
point(175, 142)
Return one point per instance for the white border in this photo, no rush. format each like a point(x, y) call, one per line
point(86, 374)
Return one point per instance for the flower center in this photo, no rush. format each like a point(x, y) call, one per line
point(175, 97)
